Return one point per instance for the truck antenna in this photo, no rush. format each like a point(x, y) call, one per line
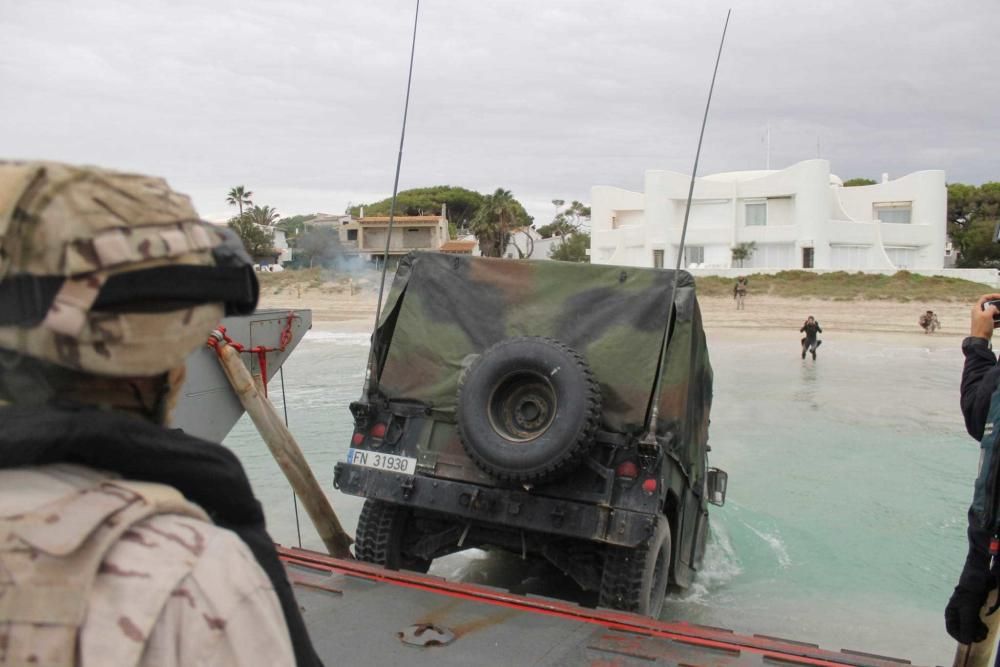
point(648, 440)
point(371, 370)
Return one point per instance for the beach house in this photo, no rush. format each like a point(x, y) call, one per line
point(799, 217)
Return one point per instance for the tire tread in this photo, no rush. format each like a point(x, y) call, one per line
point(374, 535)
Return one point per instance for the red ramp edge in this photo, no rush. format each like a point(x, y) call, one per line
point(773, 648)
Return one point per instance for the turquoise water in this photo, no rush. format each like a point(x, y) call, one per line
point(849, 481)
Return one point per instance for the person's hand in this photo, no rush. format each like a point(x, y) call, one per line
point(982, 320)
point(961, 616)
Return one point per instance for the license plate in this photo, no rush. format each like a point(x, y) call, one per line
point(390, 462)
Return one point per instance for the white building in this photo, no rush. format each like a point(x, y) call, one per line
point(281, 245)
point(799, 217)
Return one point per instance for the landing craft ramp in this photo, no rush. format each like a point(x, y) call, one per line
point(208, 408)
point(361, 614)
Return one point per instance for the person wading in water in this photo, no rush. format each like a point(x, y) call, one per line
point(810, 342)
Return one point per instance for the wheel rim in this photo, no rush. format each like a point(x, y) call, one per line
point(522, 406)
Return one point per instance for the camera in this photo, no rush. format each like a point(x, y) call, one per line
point(996, 318)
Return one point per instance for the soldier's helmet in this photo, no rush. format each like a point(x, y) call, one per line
point(111, 273)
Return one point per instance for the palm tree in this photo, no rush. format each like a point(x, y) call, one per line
point(239, 196)
point(493, 222)
point(265, 216)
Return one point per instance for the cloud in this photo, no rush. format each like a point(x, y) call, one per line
point(302, 101)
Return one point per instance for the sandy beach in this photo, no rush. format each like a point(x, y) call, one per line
point(335, 308)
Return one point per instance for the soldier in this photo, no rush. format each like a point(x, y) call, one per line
point(740, 292)
point(929, 322)
point(108, 552)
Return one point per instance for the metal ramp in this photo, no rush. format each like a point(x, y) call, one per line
point(360, 614)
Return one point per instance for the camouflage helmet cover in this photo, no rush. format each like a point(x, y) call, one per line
point(79, 227)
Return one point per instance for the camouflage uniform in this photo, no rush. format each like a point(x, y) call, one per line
point(929, 322)
point(740, 292)
point(99, 274)
point(99, 571)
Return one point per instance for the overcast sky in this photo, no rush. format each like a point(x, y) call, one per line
point(301, 101)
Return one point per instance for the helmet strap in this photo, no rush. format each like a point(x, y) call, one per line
point(28, 381)
point(22, 381)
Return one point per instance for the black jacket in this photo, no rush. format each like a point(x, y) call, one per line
point(811, 329)
point(206, 473)
point(980, 378)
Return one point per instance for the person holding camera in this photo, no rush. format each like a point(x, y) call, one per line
point(980, 401)
point(811, 341)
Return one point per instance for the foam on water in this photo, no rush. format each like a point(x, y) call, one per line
point(720, 566)
point(773, 540)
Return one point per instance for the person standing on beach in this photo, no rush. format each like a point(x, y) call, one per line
point(123, 542)
point(740, 292)
point(980, 401)
point(810, 342)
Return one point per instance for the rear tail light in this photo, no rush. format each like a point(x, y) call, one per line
point(649, 486)
point(378, 431)
point(627, 469)
point(357, 439)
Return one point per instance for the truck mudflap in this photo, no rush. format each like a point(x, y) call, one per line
point(510, 508)
point(359, 613)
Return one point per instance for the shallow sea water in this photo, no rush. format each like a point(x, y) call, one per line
point(849, 481)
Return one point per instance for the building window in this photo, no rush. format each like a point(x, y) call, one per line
point(352, 235)
point(808, 255)
point(694, 255)
point(614, 222)
point(756, 213)
point(772, 256)
point(844, 256)
point(897, 211)
point(657, 259)
point(902, 257)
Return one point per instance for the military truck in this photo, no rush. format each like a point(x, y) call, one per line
point(508, 407)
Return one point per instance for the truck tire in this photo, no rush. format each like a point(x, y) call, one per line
point(528, 408)
point(379, 537)
point(635, 579)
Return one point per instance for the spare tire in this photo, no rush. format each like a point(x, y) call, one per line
point(527, 409)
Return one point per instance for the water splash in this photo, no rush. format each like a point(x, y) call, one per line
point(720, 565)
point(773, 540)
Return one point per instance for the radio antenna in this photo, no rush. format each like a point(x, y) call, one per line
point(648, 440)
point(371, 371)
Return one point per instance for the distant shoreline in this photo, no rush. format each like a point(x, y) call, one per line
point(335, 308)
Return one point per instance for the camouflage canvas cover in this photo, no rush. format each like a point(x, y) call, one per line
point(444, 309)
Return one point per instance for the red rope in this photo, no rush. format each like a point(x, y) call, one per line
point(260, 350)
